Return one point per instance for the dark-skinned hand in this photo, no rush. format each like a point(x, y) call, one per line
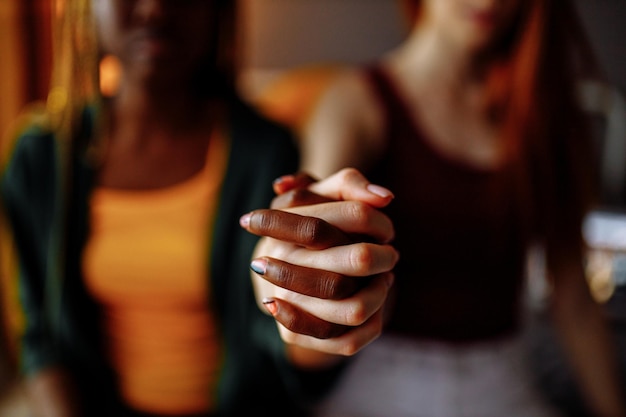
point(323, 266)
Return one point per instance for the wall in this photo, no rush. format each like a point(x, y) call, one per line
point(286, 33)
point(605, 21)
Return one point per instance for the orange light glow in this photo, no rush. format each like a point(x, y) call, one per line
point(110, 71)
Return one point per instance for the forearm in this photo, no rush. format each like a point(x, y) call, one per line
point(52, 393)
point(592, 355)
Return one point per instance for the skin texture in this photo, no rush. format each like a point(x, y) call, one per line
point(344, 257)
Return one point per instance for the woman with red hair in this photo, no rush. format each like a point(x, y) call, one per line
point(473, 122)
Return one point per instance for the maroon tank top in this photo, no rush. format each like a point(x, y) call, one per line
point(457, 230)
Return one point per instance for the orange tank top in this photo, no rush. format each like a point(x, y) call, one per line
point(146, 263)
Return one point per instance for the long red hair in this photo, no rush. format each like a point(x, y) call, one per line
point(532, 71)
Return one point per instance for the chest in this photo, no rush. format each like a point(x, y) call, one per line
point(150, 247)
point(458, 131)
point(152, 164)
point(442, 199)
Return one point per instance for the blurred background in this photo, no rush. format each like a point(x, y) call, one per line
point(285, 33)
point(280, 36)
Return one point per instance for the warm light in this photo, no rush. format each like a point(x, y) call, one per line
point(292, 95)
point(110, 70)
point(60, 8)
point(600, 273)
point(605, 235)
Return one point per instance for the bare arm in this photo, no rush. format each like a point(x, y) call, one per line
point(345, 130)
point(585, 335)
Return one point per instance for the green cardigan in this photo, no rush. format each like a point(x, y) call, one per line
point(50, 227)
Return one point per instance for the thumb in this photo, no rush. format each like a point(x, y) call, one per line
point(350, 184)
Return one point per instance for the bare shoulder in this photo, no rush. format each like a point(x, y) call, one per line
point(345, 129)
point(352, 91)
point(350, 98)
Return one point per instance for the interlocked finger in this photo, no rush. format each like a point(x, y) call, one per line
point(348, 344)
point(302, 322)
point(310, 232)
point(290, 182)
point(308, 281)
point(298, 197)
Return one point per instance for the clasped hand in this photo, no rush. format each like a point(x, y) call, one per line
point(323, 265)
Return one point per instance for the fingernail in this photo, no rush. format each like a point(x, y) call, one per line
point(379, 191)
point(270, 305)
point(244, 221)
point(259, 266)
point(282, 179)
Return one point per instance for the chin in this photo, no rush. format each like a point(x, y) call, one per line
point(473, 45)
point(476, 39)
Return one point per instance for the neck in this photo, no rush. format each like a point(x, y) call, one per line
point(144, 112)
point(433, 60)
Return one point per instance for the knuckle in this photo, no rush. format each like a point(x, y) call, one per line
point(359, 212)
point(349, 174)
point(339, 287)
point(350, 348)
point(357, 314)
point(311, 230)
point(361, 259)
point(326, 287)
point(284, 276)
point(395, 256)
